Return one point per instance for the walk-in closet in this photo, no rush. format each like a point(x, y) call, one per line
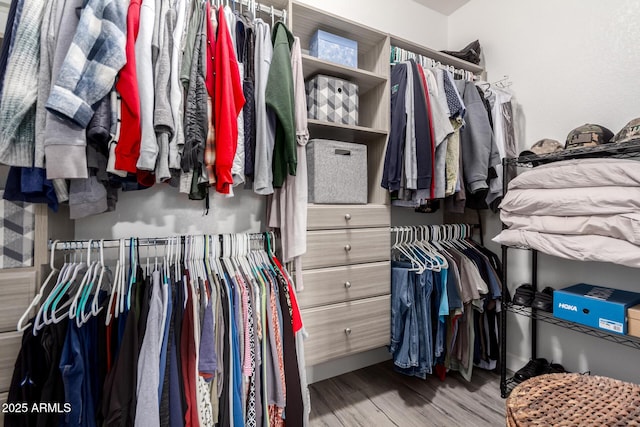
point(312, 213)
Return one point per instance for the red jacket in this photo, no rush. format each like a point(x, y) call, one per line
point(423, 78)
point(128, 147)
point(228, 102)
point(210, 145)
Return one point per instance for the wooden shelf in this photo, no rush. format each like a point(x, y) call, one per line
point(366, 80)
point(306, 20)
point(436, 55)
point(347, 133)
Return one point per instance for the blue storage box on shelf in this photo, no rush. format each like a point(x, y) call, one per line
point(596, 306)
point(330, 47)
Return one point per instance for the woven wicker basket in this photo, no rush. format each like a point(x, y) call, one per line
point(573, 400)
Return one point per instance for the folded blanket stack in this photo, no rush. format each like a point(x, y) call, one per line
point(586, 210)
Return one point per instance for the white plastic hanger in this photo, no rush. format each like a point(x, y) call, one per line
point(60, 313)
point(115, 297)
point(73, 310)
point(430, 258)
point(65, 274)
point(416, 266)
point(21, 326)
point(95, 307)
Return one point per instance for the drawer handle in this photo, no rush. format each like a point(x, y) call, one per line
point(347, 217)
point(347, 247)
point(347, 285)
point(347, 331)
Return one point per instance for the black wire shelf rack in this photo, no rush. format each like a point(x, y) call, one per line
point(546, 317)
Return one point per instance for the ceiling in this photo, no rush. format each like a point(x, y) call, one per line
point(446, 7)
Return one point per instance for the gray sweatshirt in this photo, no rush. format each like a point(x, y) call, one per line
point(50, 26)
point(71, 162)
point(163, 117)
point(148, 405)
point(144, 71)
point(176, 144)
point(265, 122)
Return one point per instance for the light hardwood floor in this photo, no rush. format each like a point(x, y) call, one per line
point(378, 396)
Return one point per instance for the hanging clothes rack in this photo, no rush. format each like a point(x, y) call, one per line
point(67, 245)
point(443, 230)
point(449, 289)
point(399, 54)
point(203, 320)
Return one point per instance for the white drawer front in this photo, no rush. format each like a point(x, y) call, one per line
point(338, 284)
point(343, 247)
point(322, 217)
point(342, 329)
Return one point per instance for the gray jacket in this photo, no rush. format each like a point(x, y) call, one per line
point(476, 139)
point(163, 116)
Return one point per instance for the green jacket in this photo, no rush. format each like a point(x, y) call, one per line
point(280, 98)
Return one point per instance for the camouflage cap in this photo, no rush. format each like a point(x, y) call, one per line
point(588, 135)
point(544, 146)
point(630, 132)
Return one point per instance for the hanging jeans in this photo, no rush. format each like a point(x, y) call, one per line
point(443, 311)
point(404, 322)
point(411, 325)
point(423, 289)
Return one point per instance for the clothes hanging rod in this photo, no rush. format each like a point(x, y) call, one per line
point(434, 62)
point(280, 13)
point(140, 241)
point(400, 228)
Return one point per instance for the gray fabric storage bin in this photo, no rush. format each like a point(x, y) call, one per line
point(337, 172)
point(332, 100)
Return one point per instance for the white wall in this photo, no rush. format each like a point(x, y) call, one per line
point(402, 18)
point(571, 62)
point(161, 211)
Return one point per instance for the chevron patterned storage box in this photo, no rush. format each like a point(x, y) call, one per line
point(17, 220)
point(332, 100)
point(337, 172)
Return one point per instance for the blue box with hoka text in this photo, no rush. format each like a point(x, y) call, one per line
point(596, 306)
point(330, 47)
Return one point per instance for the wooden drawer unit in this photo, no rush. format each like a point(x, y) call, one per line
point(3, 400)
point(343, 247)
point(9, 349)
point(321, 217)
point(17, 288)
point(342, 329)
point(337, 284)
